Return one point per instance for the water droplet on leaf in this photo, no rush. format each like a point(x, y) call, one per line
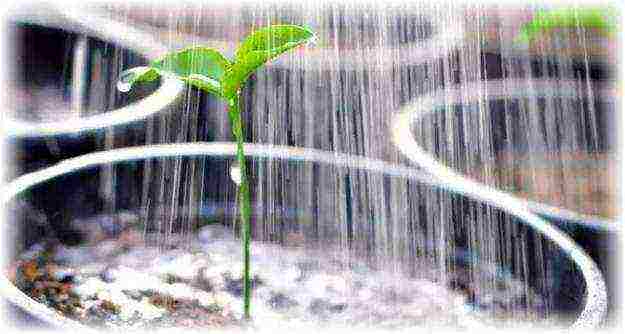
point(126, 79)
point(312, 42)
point(123, 87)
point(136, 74)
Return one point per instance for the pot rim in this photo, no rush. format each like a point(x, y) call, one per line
point(596, 301)
point(595, 307)
point(83, 22)
point(505, 89)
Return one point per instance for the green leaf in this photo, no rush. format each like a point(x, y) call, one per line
point(569, 18)
point(273, 40)
point(130, 77)
point(199, 66)
point(209, 70)
point(261, 46)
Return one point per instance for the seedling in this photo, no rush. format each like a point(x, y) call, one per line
point(567, 18)
point(210, 71)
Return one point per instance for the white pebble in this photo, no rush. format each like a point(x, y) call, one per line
point(149, 311)
point(89, 288)
point(185, 266)
point(204, 298)
point(131, 279)
point(177, 290)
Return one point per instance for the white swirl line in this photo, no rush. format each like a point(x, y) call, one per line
point(71, 19)
point(595, 307)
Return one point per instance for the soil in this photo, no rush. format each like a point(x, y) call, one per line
point(121, 283)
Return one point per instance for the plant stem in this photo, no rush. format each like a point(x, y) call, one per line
point(244, 201)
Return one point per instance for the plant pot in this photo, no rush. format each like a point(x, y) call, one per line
point(320, 189)
point(453, 113)
point(506, 103)
point(68, 62)
point(82, 29)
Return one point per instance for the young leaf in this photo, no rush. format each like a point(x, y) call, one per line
point(261, 46)
point(567, 18)
point(199, 66)
point(273, 40)
point(130, 77)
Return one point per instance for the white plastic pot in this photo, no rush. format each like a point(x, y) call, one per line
point(594, 304)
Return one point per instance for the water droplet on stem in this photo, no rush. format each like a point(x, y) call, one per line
point(235, 174)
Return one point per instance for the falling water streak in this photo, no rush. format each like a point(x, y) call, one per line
point(359, 207)
point(79, 74)
point(108, 175)
point(172, 170)
point(147, 166)
point(563, 64)
point(553, 111)
point(305, 121)
point(510, 228)
point(334, 203)
point(487, 244)
point(192, 198)
point(396, 203)
point(594, 149)
point(163, 131)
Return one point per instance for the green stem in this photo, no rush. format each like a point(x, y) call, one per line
point(244, 201)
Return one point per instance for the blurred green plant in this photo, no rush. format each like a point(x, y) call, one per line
point(210, 71)
point(545, 21)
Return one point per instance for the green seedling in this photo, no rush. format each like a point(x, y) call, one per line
point(210, 71)
point(602, 19)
